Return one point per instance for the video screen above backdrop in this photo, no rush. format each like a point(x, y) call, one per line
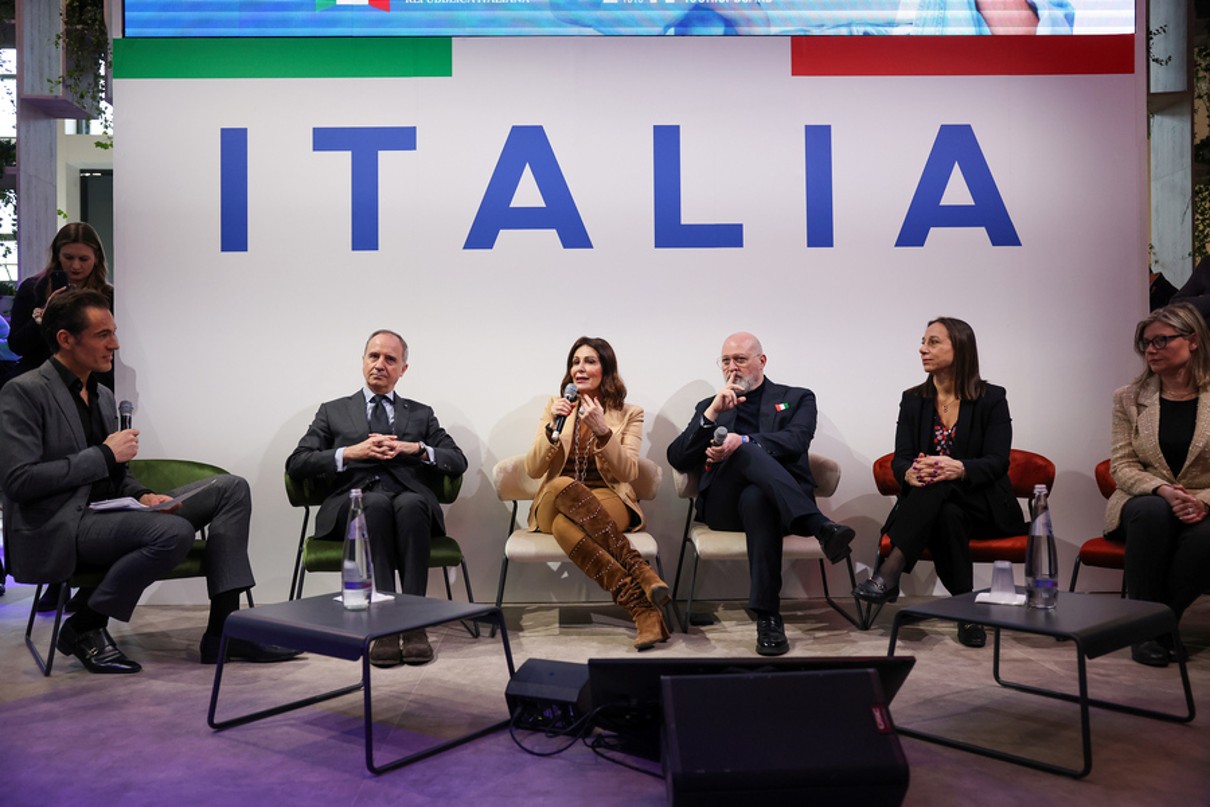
point(376, 18)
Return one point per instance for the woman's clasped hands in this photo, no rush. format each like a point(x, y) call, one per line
point(927, 470)
point(1185, 506)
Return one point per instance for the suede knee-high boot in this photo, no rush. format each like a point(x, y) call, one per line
point(577, 503)
point(600, 566)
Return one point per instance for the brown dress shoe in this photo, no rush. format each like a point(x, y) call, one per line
point(384, 651)
point(415, 648)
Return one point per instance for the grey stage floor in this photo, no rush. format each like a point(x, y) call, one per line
point(132, 740)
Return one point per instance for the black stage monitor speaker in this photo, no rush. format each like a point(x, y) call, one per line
point(626, 696)
point(807, 738)
point(547, 695)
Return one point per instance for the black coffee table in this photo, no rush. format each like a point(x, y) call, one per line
point(1096, 624)
point(322, 625)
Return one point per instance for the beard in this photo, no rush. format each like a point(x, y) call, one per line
point(742, 381)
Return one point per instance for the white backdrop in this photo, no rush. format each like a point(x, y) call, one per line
point(228, 354)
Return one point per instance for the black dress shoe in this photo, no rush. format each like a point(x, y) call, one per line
point(1151, 653)
point(835, 539)
point(971, 634)
point(1174, 648)
point(244, 650)
point(96, 651)
point(771, 636)
point(876, 590)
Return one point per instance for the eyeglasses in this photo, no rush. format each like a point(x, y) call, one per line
point(733, 361)
point(1158, 342)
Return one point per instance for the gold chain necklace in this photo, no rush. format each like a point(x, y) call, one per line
point(580, 449)
point(1184, 395)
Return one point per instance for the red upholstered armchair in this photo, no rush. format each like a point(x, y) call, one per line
point(1025, 469)
point(1101, 551)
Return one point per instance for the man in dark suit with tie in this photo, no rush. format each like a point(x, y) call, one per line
point(758, 479)
point(60, 450)
point(387, 446)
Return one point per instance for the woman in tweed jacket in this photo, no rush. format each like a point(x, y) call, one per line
point(1161, 464)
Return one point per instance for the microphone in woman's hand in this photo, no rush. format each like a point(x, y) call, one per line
point(572, 394)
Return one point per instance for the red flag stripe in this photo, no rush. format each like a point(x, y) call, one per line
point(961, 55)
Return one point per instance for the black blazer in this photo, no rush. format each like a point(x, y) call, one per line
point(983, 439)
point(787, 426)
point(47, 470)
point(342, 422)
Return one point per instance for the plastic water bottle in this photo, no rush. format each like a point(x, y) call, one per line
point(1041, 559)
point(357, 572)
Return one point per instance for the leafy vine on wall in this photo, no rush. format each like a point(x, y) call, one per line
point(84, 38)
point(1201, 152)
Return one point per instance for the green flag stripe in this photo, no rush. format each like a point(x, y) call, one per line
point(352, 57)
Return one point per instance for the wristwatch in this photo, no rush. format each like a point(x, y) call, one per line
point(423, 448)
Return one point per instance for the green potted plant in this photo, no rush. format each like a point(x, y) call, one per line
point(85, 43)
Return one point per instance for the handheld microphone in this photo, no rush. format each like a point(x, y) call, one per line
point(572, 394)
point(125, 415)
point(720, 436)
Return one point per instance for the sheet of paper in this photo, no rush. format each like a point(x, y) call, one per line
point(130, 503)
point(377, 596)
point(1000, 599)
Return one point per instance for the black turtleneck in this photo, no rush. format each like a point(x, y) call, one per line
point(747, 414)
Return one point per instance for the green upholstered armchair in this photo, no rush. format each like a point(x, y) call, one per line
point(324, 555)
point(161, 476)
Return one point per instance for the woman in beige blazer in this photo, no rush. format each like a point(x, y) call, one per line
point(586, 453)
point(1161, 464)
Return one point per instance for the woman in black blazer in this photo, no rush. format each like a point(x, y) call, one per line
point(77, 259)
point(951, 460)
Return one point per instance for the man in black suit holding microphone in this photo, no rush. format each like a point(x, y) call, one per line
point(386, 445)
point(61, 450)
point(754, 475)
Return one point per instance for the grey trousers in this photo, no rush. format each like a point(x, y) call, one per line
point(139, 547)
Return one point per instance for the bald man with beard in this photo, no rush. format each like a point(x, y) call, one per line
point(758, 480)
